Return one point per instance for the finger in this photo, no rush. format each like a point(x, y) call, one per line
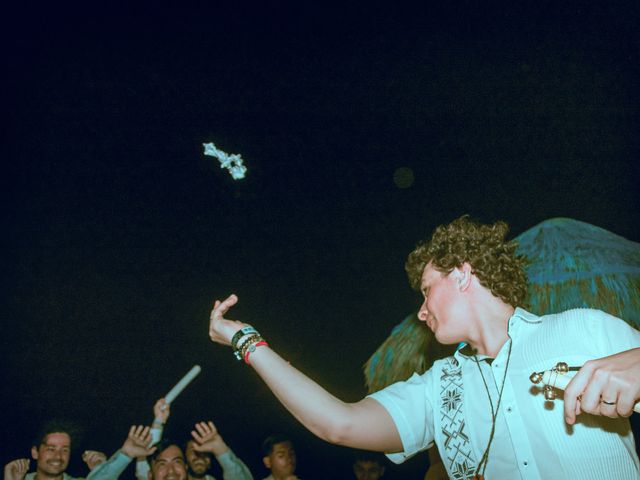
point(23, 465)
point(596, 391)
point(225, 305)
point(202, 428)
point(626, 402)
point(140, 431)
point(212, 427)
point(608, 408)
point(574, 389)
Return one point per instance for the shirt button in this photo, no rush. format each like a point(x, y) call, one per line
point(525, 463)
point(509, 409)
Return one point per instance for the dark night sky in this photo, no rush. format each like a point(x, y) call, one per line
point(119, 233)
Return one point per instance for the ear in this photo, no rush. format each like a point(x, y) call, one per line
point(267, 462)
point(34, 453)
point(463, 276)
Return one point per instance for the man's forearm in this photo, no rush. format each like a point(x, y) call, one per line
point(111, 469)
point(365, 424)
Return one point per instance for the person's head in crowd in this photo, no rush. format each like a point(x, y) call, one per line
point(368, 465)
point(198, 463)
point(167, 462)
point(279, 456)
point(51, 447)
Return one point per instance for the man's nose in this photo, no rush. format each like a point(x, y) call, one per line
point(423, 313)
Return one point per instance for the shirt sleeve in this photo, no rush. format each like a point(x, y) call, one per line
point(412, 410)
point(111, 469)
point(614, 335)
point(142, 470)
point(232, 467)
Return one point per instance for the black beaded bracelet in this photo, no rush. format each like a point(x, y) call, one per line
point(247, 339)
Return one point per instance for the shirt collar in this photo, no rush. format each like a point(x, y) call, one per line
point(519, 319)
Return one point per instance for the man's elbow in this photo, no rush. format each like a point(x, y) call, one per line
point(339, 433)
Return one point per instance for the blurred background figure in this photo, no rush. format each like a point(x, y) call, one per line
point(279, 456)
point(368, 465)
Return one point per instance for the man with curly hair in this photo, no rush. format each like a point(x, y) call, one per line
point(478, 406)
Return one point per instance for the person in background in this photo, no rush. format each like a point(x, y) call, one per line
point(167, 462)
point(206, 443)
point(279, 456)
point(51, 451)
point(368, 465)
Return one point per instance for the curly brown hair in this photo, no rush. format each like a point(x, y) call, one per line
point(493, 260)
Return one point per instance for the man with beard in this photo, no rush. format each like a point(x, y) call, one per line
point(208, 442)
point(52, 450)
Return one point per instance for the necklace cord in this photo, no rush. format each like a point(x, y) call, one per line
point(484, 460)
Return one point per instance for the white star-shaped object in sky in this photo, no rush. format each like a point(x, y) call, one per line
point(233, 163)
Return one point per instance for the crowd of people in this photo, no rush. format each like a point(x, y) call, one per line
point(158, 458)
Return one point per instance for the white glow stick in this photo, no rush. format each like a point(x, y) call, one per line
point(560, 381)
point(175, 391)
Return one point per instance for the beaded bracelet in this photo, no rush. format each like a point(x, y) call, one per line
point(238, 352)
point(252, 348)
point(247, 344)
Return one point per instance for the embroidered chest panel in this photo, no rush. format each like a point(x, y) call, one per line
point(458, 453)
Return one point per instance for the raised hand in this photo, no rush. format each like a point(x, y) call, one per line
point(17, 469)
point(137, 442)
point(222, 330)
point(93, 458)
point(161, 410)
point(207, 439)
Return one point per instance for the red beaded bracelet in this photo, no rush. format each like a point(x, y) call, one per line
point(252, 349)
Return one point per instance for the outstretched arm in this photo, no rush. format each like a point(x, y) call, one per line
point(365, 424)
point(208, 439)
point(608, 386)
point(161, 412)
point(135, 445)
